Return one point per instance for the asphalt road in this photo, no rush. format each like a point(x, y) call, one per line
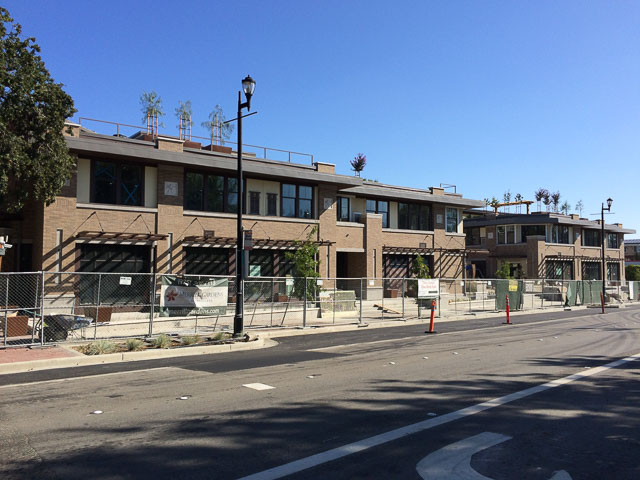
point(364, 404)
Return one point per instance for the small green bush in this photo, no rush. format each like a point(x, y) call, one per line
point(101, 347)
point(162, 341)
point(190, 339)
point(220, 336)
point(134, 344)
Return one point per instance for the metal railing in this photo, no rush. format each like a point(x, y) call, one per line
point(288, 154)
point(50, 307)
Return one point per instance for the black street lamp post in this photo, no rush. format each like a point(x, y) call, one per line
point(604, 265)
point(248, 86)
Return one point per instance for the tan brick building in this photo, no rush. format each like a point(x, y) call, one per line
point(159, 204)
point(544, 245)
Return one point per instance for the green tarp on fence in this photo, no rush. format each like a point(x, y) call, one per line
point(513, 288)
point(589, 291)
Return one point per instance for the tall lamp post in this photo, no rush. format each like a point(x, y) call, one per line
point(248, 86)
point(604, 265)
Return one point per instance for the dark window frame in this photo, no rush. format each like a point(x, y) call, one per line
point(297, 200)
point(588, 235)
point(378, 211)
point(205, 183)
point(416, 208)
point(610, 244)
point(253, 195)
point(342, 199)
point(272, 196)
point(118, 182)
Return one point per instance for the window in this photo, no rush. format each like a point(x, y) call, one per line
point(613, 271)
point(272, 202)
point(612, 240)
point(381, 207)
point(344, 209)
point(506, 234)
point(260, 263)
point(473, 236)
point(559, 234)
point(591, 271)
point(591, 238)
point(413, 216)
point(206, 261)
point(210, 193)
point(254, 203)
point(451, 225)
point(116, 183)
point(531, 231)
point(297, 201)
point(559, 269)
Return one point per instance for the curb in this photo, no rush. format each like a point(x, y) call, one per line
point(84, 360)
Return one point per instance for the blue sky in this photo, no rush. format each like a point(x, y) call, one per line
point(488, 95)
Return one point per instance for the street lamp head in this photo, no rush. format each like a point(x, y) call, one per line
point(248, 86)
point(609, 202)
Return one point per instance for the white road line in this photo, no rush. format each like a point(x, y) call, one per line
point(377, 440)
point(258, 386)
point(68, 379)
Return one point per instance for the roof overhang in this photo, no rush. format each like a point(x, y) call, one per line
point(394, 193)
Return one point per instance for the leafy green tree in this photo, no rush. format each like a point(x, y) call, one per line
point(419, 269)
point(632, 273)
point(33, 153)
point(216, 121)
point(504, 271)
point(305, 260)
point(151, 106)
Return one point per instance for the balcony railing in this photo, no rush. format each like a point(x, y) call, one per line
point(266, 153)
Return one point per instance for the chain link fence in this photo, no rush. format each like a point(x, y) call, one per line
point(42, 307)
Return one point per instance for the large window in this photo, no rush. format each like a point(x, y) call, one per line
point(612, 240)
point(297, 201)
point(254, 203)
point(591, 238)
point(211, 193)
point(381, 207)
point(559, 269)
point(272, 204)
point(451, 225)
point(613, 272)
point(559, 234)
point(506, 234)
point(344, 209)
point(532, 230)
point(591, 271)
point(473, 236)
point(117, 183)
point(413, 216)
point(206, 261)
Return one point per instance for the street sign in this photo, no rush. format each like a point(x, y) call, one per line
point(248, 239)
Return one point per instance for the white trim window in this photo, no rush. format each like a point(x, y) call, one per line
point(506, 234)
point(451, 220)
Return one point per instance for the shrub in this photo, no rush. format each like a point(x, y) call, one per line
point(190, 339)
point(101, 347)
point(162, 341)
point(134, 344)
point(220, 336)
point(632, 272)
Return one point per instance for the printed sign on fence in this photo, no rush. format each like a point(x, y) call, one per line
point(513, 285)
point(186, 296)
point(428, 287)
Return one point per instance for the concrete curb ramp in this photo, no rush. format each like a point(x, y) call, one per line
point(84, 360)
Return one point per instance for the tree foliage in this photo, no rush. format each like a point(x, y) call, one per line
point(358, 163)
point(305, 259)
point(419, 269)
point(151, 105)
point(632, 273)
point(504, 271)
point(33, 153)
point(216, 121)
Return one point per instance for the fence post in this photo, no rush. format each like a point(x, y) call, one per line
point(6, 309)
point(360, 315)
point(304, 305)
point(95, 320)
point(33, 330)
point(272, 300)
point(382, 299)
point(403, 280)
point(542, 296)
point(153, 304)
point(335, 281)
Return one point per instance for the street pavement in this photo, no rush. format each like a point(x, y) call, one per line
point(553, 396)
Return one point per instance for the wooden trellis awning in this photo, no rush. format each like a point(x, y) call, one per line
point(390, 250)
point(120, 236)
point(584, 258)
point(262, 243)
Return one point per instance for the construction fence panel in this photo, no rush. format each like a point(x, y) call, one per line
point(20, 308)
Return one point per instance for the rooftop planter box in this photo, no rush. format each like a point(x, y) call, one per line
point(217, 148)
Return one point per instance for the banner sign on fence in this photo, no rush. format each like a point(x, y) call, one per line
point(193, 296)
point(125, 280)
point(428, 287)
point(513, 285)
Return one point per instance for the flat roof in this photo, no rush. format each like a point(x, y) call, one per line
point(540, 218)
point(393, 192)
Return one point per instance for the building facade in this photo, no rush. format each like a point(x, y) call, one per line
point(544, 245)
point(632, 251)
point(146, 204)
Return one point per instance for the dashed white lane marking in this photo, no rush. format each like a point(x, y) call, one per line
point(258, 386)
point(69, 379)
point(453, 462)
point(377, 440)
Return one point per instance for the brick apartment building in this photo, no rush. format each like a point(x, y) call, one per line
point(544, 245)
point(632, 251)
point(159, 204)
